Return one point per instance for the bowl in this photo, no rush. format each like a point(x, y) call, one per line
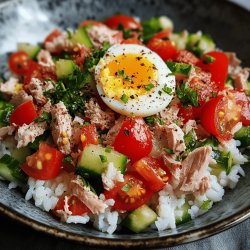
point(30, 21)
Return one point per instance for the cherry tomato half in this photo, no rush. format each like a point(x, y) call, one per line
point(134, 139)
point(132, 41)
point(55, 33)
point(45, 164)
point(24, 113)
point(219, 115)
point(128, 22)
point(153, 171)
point(19, 62)
point(89, 135)
point(130, 194)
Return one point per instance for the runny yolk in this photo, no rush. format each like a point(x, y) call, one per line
point(129, 74)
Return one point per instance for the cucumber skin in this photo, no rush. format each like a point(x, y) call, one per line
point(81, 36)
point(141, 218)
point(10, 169)
point(185, 216)
point(243, 135)
point(179, 68)
point(31, 50)
point(64, 68)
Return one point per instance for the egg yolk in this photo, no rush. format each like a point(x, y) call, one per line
point(132, 75)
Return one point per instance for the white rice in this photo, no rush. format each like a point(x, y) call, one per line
point(76, 219)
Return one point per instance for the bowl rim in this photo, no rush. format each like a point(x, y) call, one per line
point(154, 242)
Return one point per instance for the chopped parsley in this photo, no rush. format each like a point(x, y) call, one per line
point(108, 149)
point(187, 95)
point(208, 59)
point(5, 111)
point(206, 205)
point(150, 28)
point(44, 117)
point(127, 33)
point(167, 90)
point(103, 158)
point(124, 75)
point(214, 94)
point(67, 159)
point(126, 188)
point(159, 120)
point(149, 86)
point(126, 132)
point(124, 98)
point(149, 120)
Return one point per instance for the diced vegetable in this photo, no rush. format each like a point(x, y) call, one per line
point(243, 135)
point(95, 159)
point(229, 82)
point(224, 161)
point(31, 50)
point(20, 154)
point(190, 140)
point(64, 68)
point(140, 219)
point(10, 169)
point(81, 37)
point(179, 69)
point(180, 39)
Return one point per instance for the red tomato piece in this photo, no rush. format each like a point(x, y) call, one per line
point(128, 22)
point(75, 206)
point(189, 112)
point(25, 113)
point(130, 194)
point(19, 62)
point(134, 139)
point(242, 100)
point(55, 33)
point(153, 172)
point(218, 117)
point(164, 34)
point(45, 164)
point(218, 68)
point(166, 49)
point(185, 56)
point(90, 22)
point(89, 135)
point(132, 41)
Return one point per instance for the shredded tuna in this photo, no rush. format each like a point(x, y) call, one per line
point(189, 125)
point(85, 195)
point(20, 98)
point(28, 133)
point(187, 57)
point(4, 131)
point(171, 113)
point(110, 176)
point(240, 80)
point(170, 136)
point(102, 119)
point(37, 87)
point(46, 108)
point(192, 177)
point(9, 87)
point(62, 127)
point(45, 59)
point(201, 133)
point(59, 44)
point(101, 34)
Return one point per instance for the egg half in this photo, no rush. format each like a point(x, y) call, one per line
point(133, 80)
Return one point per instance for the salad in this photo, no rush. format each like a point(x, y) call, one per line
point(124, 124)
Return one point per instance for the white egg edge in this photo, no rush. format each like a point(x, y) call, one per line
point(144, 105)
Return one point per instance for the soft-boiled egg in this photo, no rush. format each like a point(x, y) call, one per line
point(133, 80)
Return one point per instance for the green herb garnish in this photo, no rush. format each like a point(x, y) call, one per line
point(108, 149)
point(103, 158)
point(67, 159)
point(167, 90)
point(124, 98)
point(169, 151)
point(149, 120)
point(159, 120)
point(206, 205)
point(149, 86)
point(126, 132)
point(44, 117)
point(208, 59)
point(124, 75)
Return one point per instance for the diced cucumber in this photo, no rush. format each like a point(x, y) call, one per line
point(64, 68)
point(248, 88)
point(166, 23)
point(180, 69)
point(150, 28)
point(243, 135)
point(10, 169)
point(185, 215)
point(20, 154)
point(140, 219)
point(80, 36)
point(31, 50)
point(224, 161)
point(211, 141)
point(95, 158)
point(200, 43)
point(180, 39)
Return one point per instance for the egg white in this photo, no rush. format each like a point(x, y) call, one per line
point(143, 105)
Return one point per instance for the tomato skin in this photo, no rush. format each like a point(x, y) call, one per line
point(163, 34)
point(89, 135)
point(242, 100)
point(128, 22)
point(76, 207)
point(19, 62)
point(90, 22)
point(189, 113)
point(24, 113)
point(132, 41)
point(153, 171)
point(134, 139)
point(55, 33)
point(136, 195)
point(218, 68)
point(220, 125)
point(166, 49)
point(45, 164)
